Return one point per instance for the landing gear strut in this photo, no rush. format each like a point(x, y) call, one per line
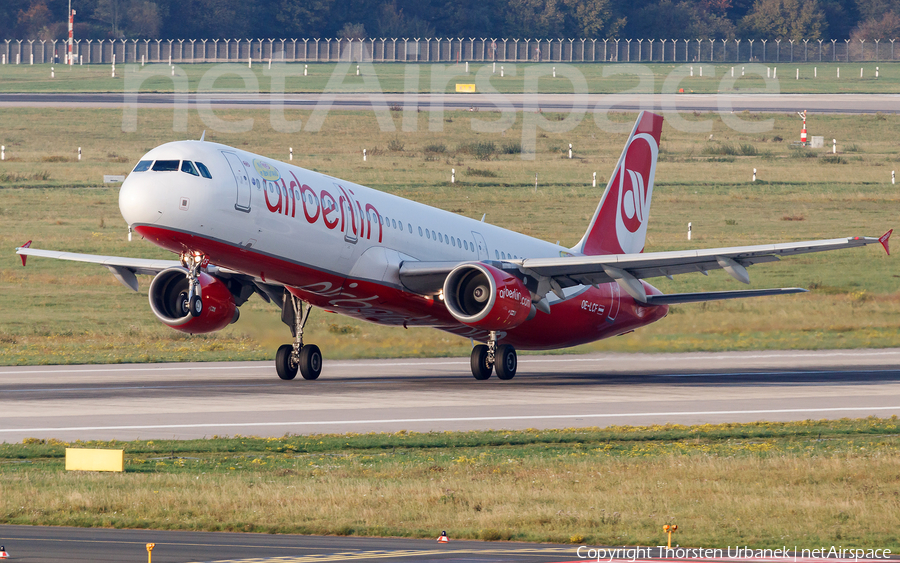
point(487, 357)
point(291, 357)
point(191, 300)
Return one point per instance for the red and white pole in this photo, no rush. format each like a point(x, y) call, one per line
point(70, 59)
point(803, 131)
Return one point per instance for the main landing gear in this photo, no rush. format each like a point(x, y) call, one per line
point(487, 357)
point(291, 357)
point(191, 301)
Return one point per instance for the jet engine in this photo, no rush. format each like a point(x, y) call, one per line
point(168, 300)
point(483, 297)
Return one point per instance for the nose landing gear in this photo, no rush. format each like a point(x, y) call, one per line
point(485, 358)
point(191, 300)
point(291, 358)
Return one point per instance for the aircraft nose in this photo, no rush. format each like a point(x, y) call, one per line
point(138, 201)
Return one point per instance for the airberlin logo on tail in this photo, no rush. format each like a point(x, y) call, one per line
point(635, 192)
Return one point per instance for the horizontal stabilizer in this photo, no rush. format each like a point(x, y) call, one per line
point(674, 298)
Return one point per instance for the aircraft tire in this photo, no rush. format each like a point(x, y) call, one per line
point(286, 369)
point(196, 306)
point(507, 362)
point(481, 369)
point(310, 362)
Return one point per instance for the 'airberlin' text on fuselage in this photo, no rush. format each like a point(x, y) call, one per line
point(344, 211)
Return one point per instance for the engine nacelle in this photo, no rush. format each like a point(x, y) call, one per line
point(483, 297)
point(167, 293)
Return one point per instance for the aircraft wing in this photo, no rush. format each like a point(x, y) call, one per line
point(554, 274)
point(124, 268)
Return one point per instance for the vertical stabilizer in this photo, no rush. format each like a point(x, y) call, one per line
point(619, 225)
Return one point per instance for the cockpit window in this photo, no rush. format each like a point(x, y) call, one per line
point(165, 166)
point(143, 166)
point(188, 166)
point(204, 171)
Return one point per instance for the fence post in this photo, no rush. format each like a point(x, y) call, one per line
point(628, 50)
point(764, 49)
point(834, 50)
point(751, 50)
point(847, 42)
point(778, 50)
point(820, 50)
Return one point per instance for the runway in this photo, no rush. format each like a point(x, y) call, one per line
point(41, 544)
point(156, 401)
point(776, 103)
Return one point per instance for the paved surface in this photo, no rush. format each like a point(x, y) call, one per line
point(194, 400)
point(39, 544)
point(814, 103)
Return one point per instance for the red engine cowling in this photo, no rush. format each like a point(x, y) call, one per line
point(481, 296)
point(166, 299)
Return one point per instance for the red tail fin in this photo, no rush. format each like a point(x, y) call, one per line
point(619, 225)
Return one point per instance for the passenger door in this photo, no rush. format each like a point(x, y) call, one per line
point(242, 178)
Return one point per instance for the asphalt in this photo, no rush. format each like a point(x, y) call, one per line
point(777, 103)
point(193, 400)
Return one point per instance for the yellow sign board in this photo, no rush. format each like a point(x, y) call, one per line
point(465, 88)
point(82, 459)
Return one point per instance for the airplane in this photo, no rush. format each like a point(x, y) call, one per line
point(244, 224)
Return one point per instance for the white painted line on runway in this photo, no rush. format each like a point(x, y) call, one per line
point(453, 419)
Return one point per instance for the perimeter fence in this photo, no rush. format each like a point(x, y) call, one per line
point(185, 51)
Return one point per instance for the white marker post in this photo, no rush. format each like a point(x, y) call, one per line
point(365, 155)
point(594, 183)
point(453, 175)
point(305, 70)
point(467, 67)
point(732, 72)
point(839, 72)
point(290, 153)
point(834, 146)
point(494, 69)
point(774, 72)
point(742, 71)
point(701, 71)
point(270, 63)
point(815, 72)
point(554, 72)
point(689, 231)
point(52, 72)
point(876, 72)
point(798, 74)
point(692, 71)
point(501, 71)
point(754, 175)
point(114, 70)
point(142, 61)
point(893, 177)
point(570, 150)
point(2, 152)
point(173, 70)
point(79, 154)
point(357, 70)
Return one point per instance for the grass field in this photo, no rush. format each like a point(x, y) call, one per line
point(803, 484)
point(55, 312)
point(398, 77)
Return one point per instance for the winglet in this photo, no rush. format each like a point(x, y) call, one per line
point(883, 239)
point(28, 244)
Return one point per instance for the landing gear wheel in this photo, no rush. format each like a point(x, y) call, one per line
point(507, 362)
point(481, 367)
point(310, 362)
point(196, 306)
point(284, 363)
point(184, 303)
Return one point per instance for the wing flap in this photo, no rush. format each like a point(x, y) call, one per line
point(675, 298)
